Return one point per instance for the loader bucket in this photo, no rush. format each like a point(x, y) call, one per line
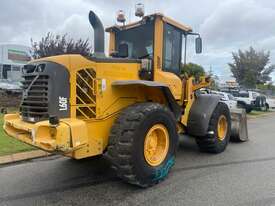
point(239, 131)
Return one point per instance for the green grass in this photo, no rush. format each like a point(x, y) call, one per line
point(256, 113)
point(9, 145)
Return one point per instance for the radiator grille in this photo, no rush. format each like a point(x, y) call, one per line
point(85, 94)
point(34, 105)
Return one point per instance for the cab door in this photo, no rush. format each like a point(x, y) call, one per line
point(171, 60)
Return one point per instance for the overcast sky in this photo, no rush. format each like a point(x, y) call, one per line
point(225, 25)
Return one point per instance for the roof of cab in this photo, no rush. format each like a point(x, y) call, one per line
point(168, 20)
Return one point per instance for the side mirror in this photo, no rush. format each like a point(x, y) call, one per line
point(198, 45)
point(123, 50)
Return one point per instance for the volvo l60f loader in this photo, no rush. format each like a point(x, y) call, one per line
point(130, 106)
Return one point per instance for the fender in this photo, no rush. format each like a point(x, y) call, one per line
point(200, 114)
point(172, 103)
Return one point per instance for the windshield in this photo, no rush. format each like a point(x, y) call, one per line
point(139, 41)
point(243, 94)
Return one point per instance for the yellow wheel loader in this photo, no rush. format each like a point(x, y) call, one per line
point(130, 106)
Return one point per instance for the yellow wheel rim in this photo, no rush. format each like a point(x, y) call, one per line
point(222, 127)
point(156, 145)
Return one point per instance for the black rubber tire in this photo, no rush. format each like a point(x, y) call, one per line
point(266, 108)
point(243, 105)
point(248, 110)
point(126, 144)
point(210, 143)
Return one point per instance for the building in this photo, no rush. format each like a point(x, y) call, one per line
point(231, 84)
point(12, 58)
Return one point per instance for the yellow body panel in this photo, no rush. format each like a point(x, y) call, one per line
point(188, 101)
point(189, 92)
point(158, 45)
point(72, 137)
point(172, 80)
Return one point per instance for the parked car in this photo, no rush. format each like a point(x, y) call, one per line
point(270, 103)
point(227, 98)
point(250, 100)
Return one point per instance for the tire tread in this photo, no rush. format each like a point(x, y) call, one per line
point(209, 143)
point(121, 140)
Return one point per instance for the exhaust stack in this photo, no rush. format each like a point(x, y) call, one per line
point(98, 34)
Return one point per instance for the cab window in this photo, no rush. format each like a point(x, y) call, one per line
point(172, 49)
point(139, 41)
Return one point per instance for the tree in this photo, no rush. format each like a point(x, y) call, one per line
point(214, 85)
point(51, 45)
point(196, 71)
point(251, 67)
point(268, 89)
point(192, 69)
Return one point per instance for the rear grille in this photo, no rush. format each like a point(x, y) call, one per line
point(85, 94)
point(35, 100)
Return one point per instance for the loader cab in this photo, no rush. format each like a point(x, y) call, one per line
point(156, 38)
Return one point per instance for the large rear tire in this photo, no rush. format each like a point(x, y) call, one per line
point(266, 107)
point(218, 135)
point(143, 143)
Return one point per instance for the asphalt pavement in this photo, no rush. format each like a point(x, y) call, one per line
point(243, 175)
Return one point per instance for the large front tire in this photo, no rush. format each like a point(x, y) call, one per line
point(143, 143)
point(218, 135)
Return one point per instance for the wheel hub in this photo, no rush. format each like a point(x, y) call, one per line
point(156, 145)
point(222, 127)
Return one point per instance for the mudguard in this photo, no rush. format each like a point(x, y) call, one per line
point(172, 103)
point(200, 114)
